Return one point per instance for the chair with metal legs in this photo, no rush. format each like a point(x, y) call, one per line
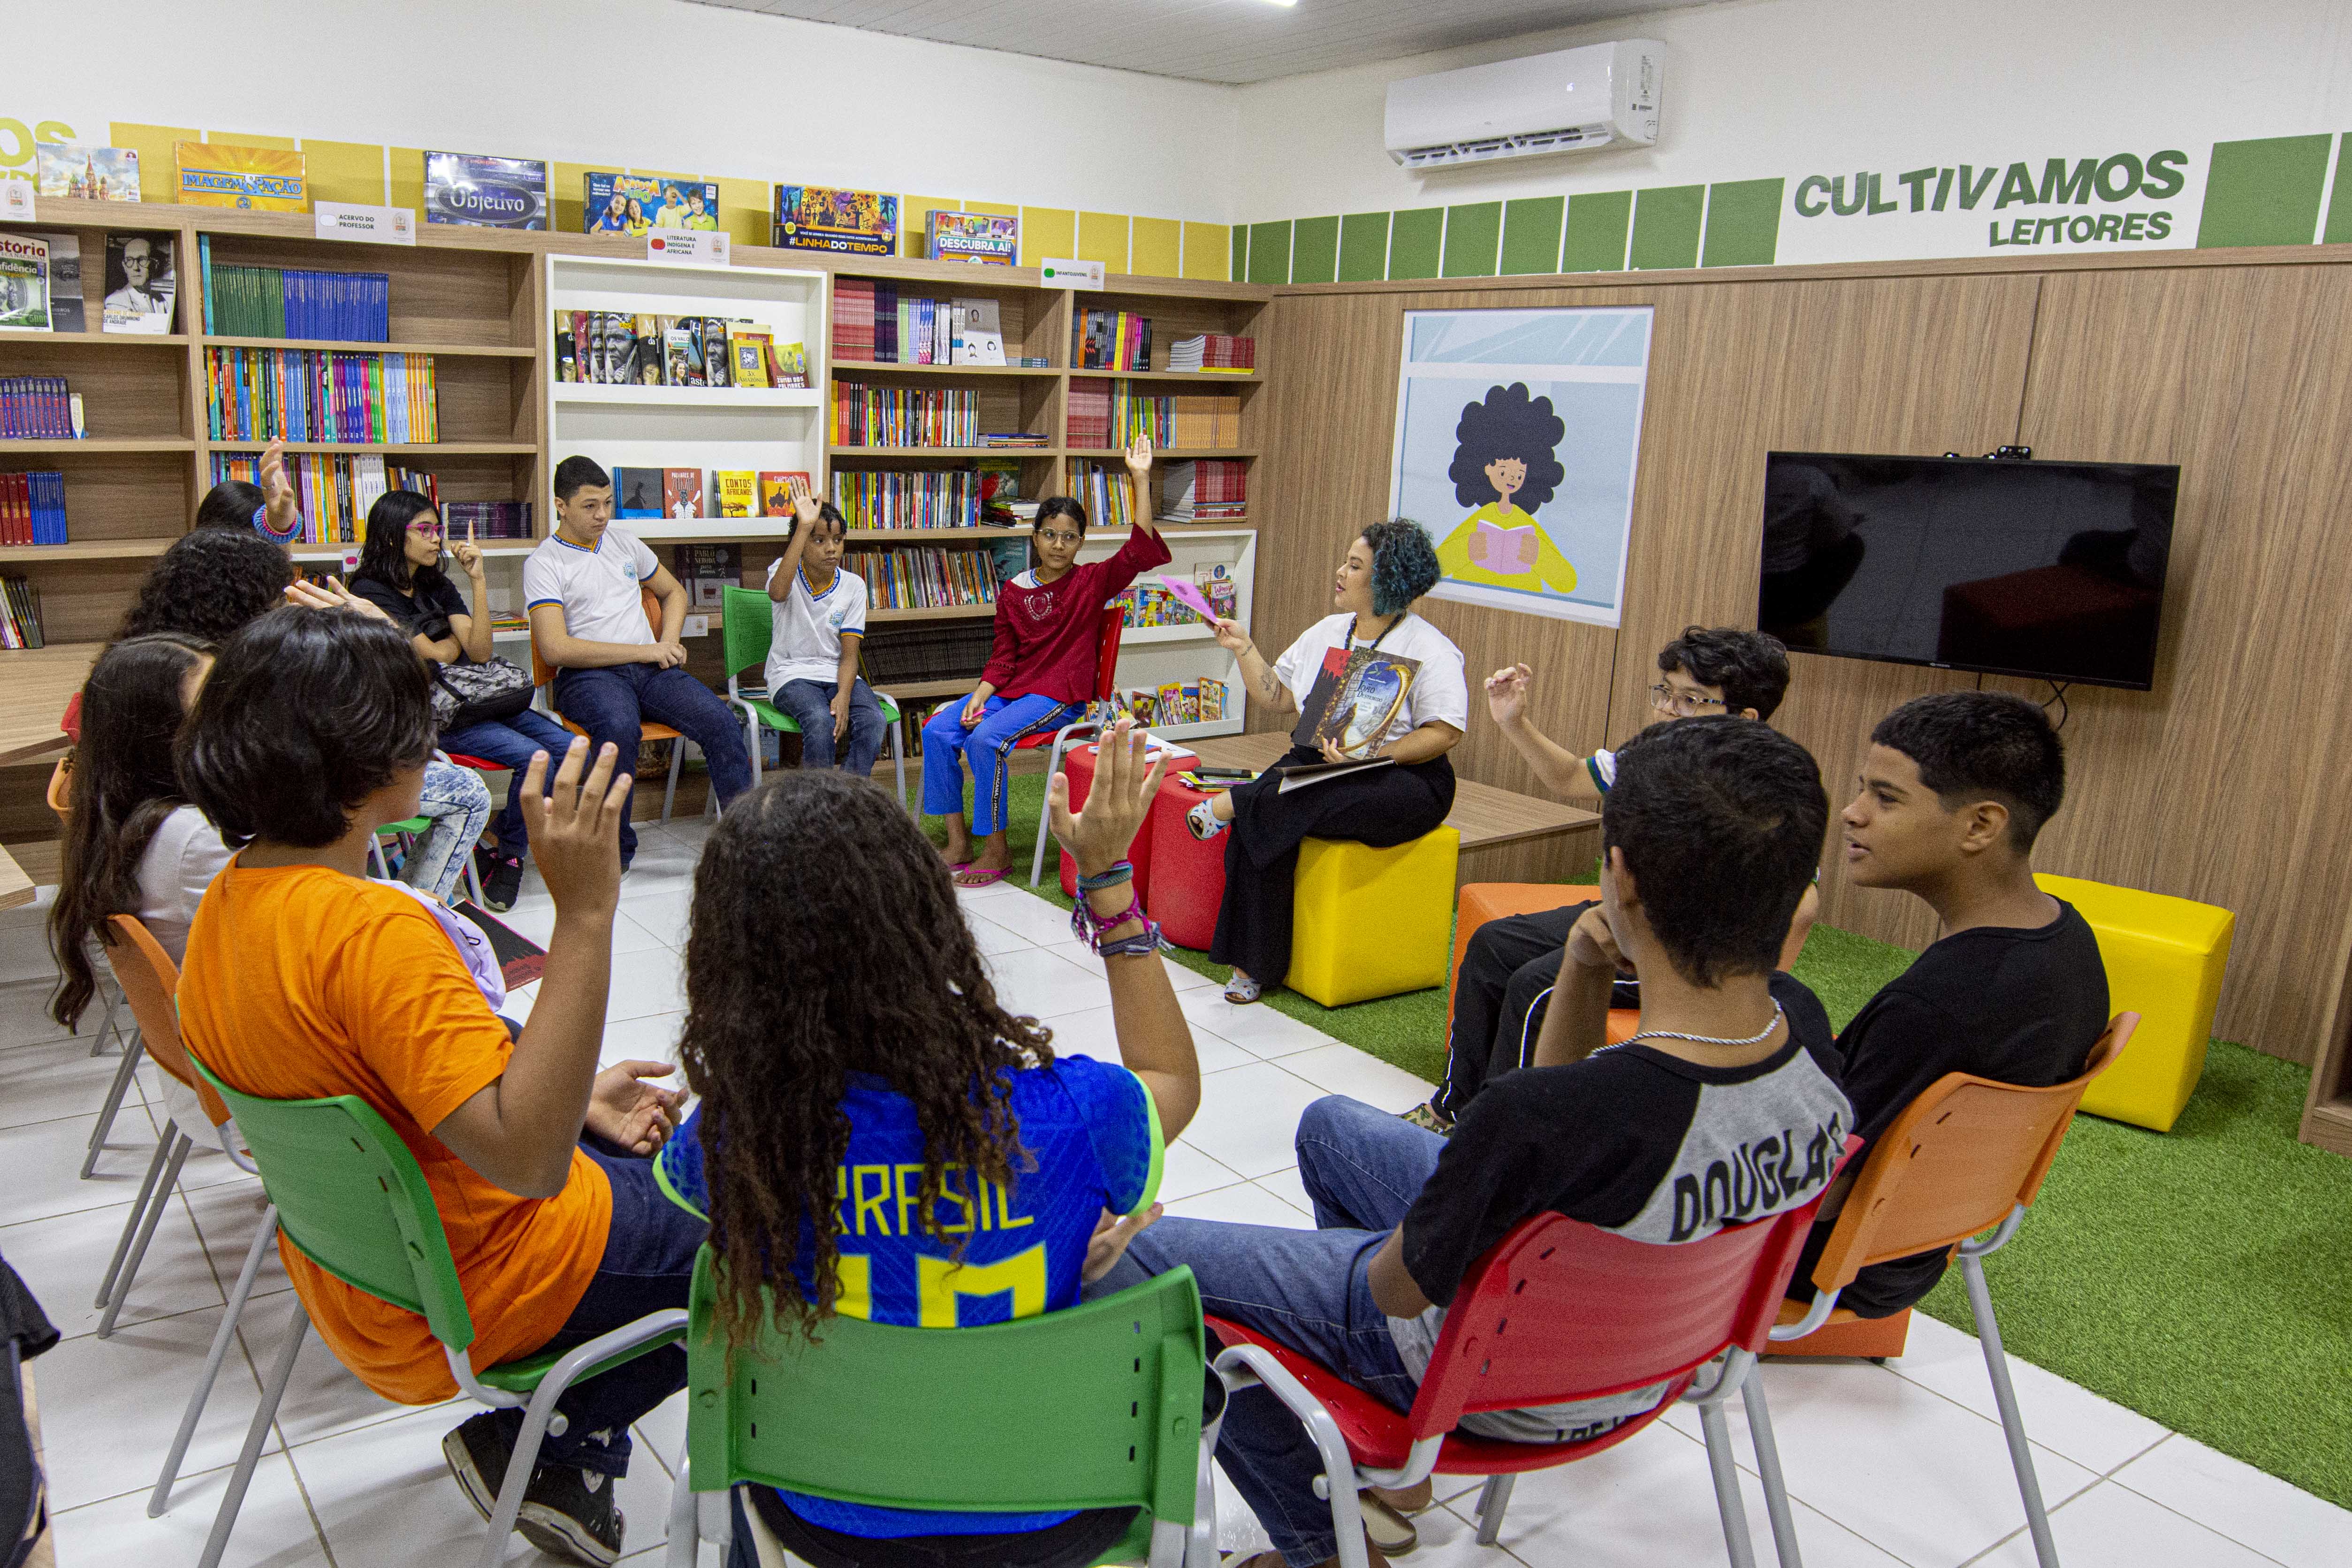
point(60, 799)
point(351, 1198)
point(1967, 1157)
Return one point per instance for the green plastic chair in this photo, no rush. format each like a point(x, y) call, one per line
point(409, 830)
point(353, 1200)
point(1099, 1406)
point(746, 626)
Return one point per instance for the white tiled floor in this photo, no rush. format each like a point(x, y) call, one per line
point(1901, 1465)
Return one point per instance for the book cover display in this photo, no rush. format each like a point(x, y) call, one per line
point(638, 491)
point(636, 205)
point(1358, 696)
point(86, 174)
point(823, 218)
point(485, 192)
point(989, 238)
point(140, 283)
point(779, 490)
point(67, 313)
point(23, 283)
point(682, 493)
point(261, 179)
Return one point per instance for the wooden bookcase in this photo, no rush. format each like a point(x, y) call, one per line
point(480, 301)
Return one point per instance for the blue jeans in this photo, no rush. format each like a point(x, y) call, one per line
point(612, 702)
point(460, 805)
point(509, 743)
point(649, 1264)
point(809, 703)
point(1310, 1289)
point(946, 744)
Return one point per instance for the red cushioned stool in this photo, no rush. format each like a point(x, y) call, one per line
point(1191, 881)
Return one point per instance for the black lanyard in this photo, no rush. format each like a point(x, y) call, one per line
point(1351, 643)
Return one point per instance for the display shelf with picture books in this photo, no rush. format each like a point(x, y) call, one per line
point(943, 613)
point(1151, 657)
point(713, 432)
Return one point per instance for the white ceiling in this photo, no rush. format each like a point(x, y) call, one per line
point(1208, 40)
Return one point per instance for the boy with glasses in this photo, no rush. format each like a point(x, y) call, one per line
point(1507, 971)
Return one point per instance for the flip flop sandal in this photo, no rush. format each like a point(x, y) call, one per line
point(1202, 821)
point(1241, 989)
point(981, 876)
point(1388, 1529)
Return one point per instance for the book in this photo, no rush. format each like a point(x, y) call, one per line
point(1215, 583)
point(779, 490)
point(618, 204)
point(717, 365)
point(567, 357)
point(990, 238)
point(739, 492)
point(682, 494)
point(788, 365)
point(747, 351)
point(709, 571)
point(882, 498)
point(1300, 776)
point(1357, 696)
point(23, 283)
point(291, 302)
point(484, 192)
point(621, 349)
point(86, 174)
point(684, 347)
point(638, 492)
point(140, 283)
point(65, 306)
point(256, 179)
point(979, 334)
point(846, 222)
point(681, 201)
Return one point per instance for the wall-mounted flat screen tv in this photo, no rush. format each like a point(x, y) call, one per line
point(2052, 570)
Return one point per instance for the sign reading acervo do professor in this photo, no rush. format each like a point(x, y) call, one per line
point(2123, 198)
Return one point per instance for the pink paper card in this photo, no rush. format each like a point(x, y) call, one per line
point(1190, 597)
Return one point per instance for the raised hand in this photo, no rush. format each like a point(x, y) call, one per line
point(1507, 693)
point(576, 830)
point(624, 1110)
point(804, 509)
point(1117, 805)
point(470, 552)
point(1138, 459)
point(278, 490)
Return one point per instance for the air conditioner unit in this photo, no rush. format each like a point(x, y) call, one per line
point(1572, 100)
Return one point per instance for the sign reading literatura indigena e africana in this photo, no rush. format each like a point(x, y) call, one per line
point(2115, 198)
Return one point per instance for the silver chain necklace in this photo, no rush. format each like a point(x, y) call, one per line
point(1758, 1038)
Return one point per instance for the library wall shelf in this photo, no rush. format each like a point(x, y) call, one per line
point(925, 690)
point(104, 340)
point(1195, 632)
point(337, 552)
point(713, 398)
point(858, 536)
point(96, 444)
point(946, 613)
point(1162, 454)
point(450, 351)
point(702, 529)
point(94, 549)
point(1217, 377)
point(855, 368)
point(944, 452)
point(391, 449)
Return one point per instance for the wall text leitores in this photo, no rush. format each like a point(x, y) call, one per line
point(1966, 187)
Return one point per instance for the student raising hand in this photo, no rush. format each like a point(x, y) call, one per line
point(1507, 694)
point(277, 491)
point(575, 828)
point(1097, 838)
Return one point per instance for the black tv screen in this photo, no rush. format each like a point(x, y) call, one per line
point(2052, 571)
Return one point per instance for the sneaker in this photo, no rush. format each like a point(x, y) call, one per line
point(567, 1514)
point(1430, 1118)
point(504, 883)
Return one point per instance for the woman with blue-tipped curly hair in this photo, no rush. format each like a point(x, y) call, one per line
point(1412, 723)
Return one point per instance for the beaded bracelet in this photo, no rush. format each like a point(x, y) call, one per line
point(1119, 871)
point(1088, 927)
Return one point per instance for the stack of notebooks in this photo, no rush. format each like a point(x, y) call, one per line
point(1211, 490)
point(866, 415)
point(1111, 340)
point(33, 508)
point(1219, 351)
point(890, 499)
point(20, 613)
point(305, 394)
point(287, 302)
point(924, 579)
point(332, 492)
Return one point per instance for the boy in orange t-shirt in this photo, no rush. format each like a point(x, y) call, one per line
point(305, 979)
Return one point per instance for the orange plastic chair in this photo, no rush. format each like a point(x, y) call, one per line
point(60, 799)
point(61, 786)
point(1967, 1157)
point(541, 672)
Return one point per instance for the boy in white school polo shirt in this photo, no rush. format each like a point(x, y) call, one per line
point(820, 622)
point(583, 591)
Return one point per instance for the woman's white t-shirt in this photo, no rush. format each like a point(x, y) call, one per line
point(1440, 692)
point(181, 862)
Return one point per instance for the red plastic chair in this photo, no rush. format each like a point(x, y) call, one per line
point(1114, 626)
point(1558, 1309)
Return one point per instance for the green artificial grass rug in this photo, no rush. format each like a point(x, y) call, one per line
point(2195, 1276)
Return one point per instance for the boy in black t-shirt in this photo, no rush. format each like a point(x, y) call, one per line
point(1723, 1109)
point(1953, 790)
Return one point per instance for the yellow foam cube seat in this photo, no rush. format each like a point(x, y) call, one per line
point(1370, 922)
point(2163, 958)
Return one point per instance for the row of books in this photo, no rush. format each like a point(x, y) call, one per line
point(484, 519)
point(294, 302)
point(1150, 603)
point(41, 283)
point(873, 497)
point(683, 494)
point(1213, 351)
point(926, 578)
point(612, 348)
point(874, 323)
point(1105, 493)
point(928, 650)
point(1110, 340)
point(20, 613)
point(39, 407)
point(33, 508)
point(1112, 414)
point(333, 491)
point(866, 415)
point(313, 395)
point(1213, 489)
point(1198, 702)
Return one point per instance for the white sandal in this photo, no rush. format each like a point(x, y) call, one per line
point(1203, 821)
point(1241, 989)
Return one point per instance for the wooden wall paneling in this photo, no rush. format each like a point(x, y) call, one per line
point(2225, 784)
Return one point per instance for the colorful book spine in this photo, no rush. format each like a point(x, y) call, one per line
point(308, 395)
point(871, 499)
point(291, 302)
point(868, 416)
point(36, 408)
point(926, 578)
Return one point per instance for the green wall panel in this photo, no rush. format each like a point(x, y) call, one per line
point(1363, 247)
point(1743, 223)
point(1315, 250)
point(2264, 192)
point(1531, 234)
point(1269, 253)
point(1666, 226)
point(1472, 233)
point(1413, 238)
point(2339, 206)
point(1598, 223)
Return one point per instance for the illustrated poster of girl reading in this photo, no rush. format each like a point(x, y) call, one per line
point(1505, 467)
